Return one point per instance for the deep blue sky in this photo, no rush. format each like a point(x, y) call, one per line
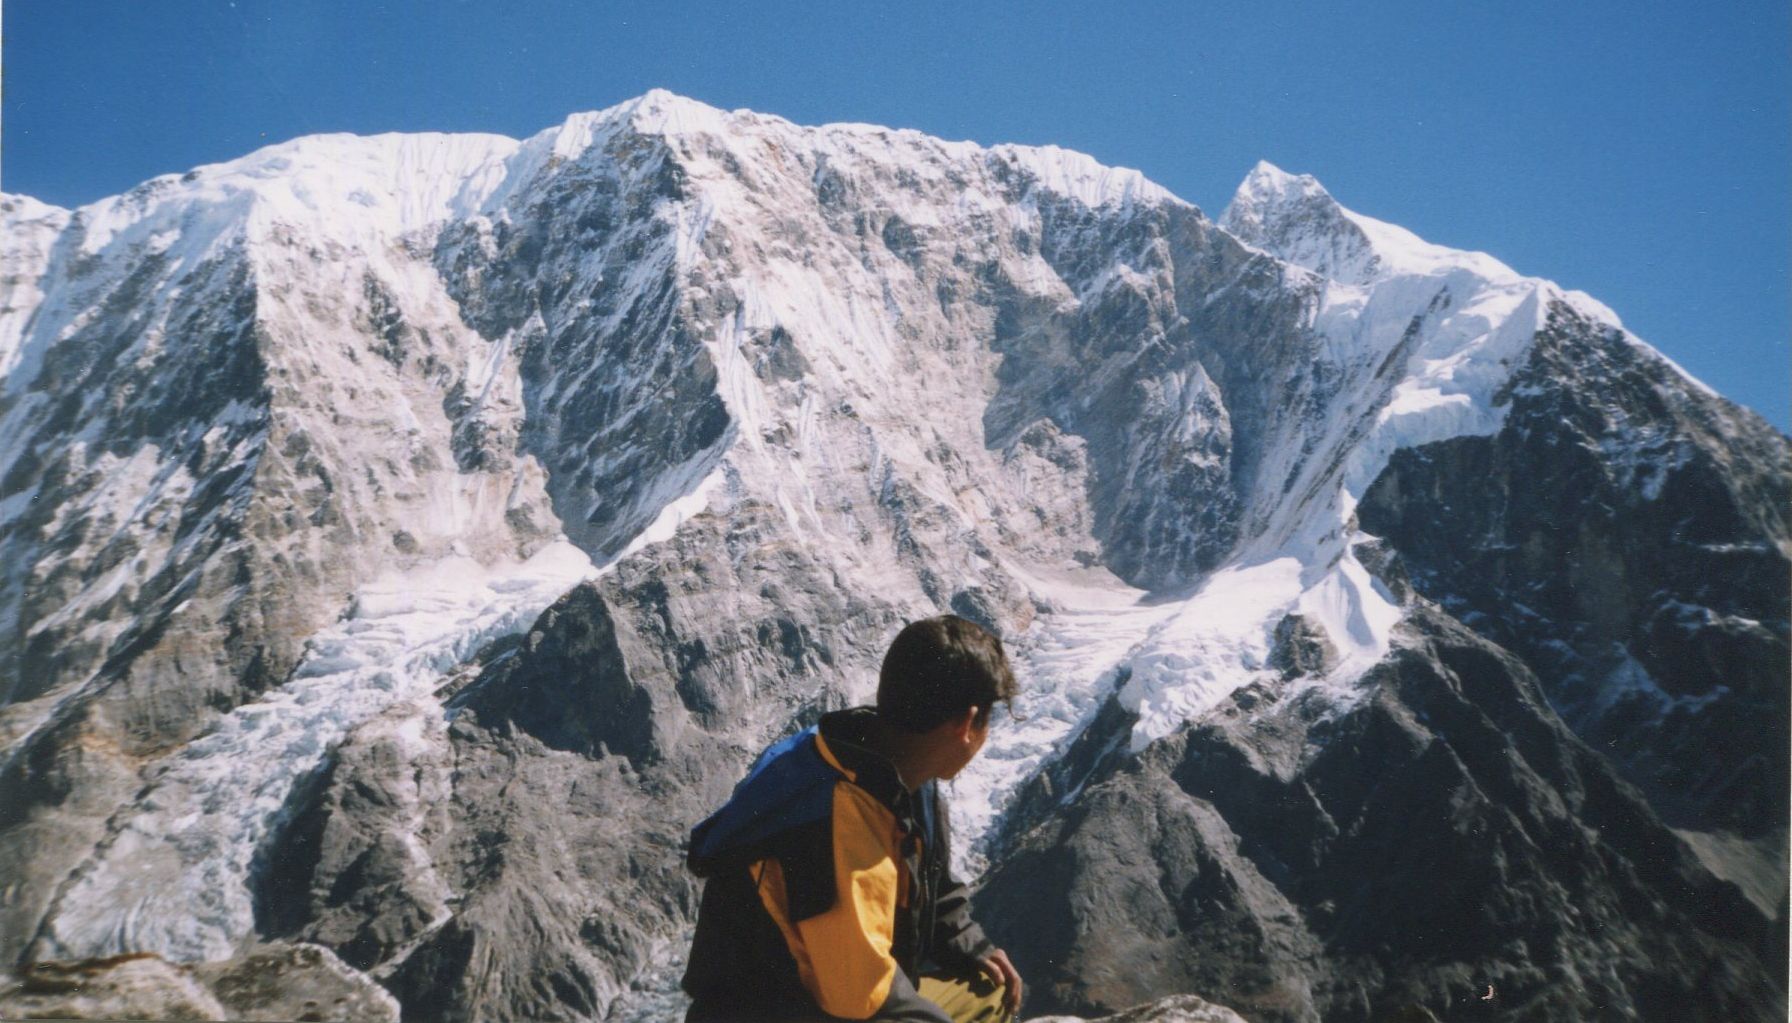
point(1640, 151)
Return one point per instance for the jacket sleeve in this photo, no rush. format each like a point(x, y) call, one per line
point(958, 943)
point(843, 953)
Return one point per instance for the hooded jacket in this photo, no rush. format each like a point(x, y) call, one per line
point(828, 887)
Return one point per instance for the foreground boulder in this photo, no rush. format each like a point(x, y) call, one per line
point(271, 982)
point(1180, 1009)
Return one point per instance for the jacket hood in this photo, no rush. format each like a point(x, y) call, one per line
point(790, 785)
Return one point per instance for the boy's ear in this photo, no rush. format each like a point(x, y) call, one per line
point(966, 726)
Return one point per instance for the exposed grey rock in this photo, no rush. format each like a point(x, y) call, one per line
point(1443, 836)
point(1629, 539)
point(139, 986)
point(353, 871)
point(1301, 648)
point(1176, 1009)
point(1092, 754)
point(271, 982)
point(295, 982)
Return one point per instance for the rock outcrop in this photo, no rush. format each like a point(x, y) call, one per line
point(1629, 540)
point(1176, 1009)
point(1439, 844)
point(271, 982)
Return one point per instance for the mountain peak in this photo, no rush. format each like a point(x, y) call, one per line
point(662, 112)
point(1267, 182)
point(1293, 217)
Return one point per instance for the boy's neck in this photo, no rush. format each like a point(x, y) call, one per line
point(909, 753)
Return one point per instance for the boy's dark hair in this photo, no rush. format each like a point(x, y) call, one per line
point(937, 667)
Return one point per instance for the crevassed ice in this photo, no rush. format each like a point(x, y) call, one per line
point(1183, 659)
point(1065, 664)
point(174, 876)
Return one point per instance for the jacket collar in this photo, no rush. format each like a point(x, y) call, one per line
point(843, 738)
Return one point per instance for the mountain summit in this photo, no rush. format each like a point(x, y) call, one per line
point(403, 540)
point(1295, 219)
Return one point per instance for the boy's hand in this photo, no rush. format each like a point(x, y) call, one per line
point(998, 967)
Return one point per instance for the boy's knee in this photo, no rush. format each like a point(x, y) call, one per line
point(972, 999)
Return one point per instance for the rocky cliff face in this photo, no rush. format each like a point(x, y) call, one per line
point(1621, 536)
point(1441, 845)
point(408, 538)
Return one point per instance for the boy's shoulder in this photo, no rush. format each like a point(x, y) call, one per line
point(789, 786)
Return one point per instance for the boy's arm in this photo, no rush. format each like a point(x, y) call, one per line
point(957, 941)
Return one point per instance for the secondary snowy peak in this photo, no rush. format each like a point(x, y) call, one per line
point(1293, 217)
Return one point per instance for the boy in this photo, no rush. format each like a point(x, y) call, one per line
point(829, 887)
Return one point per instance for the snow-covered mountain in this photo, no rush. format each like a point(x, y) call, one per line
point(406, 538)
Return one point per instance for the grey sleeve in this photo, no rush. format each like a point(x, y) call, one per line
point(958, 943)
point(905, 1005)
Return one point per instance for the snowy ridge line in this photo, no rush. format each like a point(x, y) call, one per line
point(1294, 218)
point(393, 184)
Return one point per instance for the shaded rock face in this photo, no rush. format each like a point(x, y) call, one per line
point(1632, 546)
point(535, 282)
point(1443, 838)
point(1124, 373)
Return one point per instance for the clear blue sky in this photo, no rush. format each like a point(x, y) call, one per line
point(1640, 151)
